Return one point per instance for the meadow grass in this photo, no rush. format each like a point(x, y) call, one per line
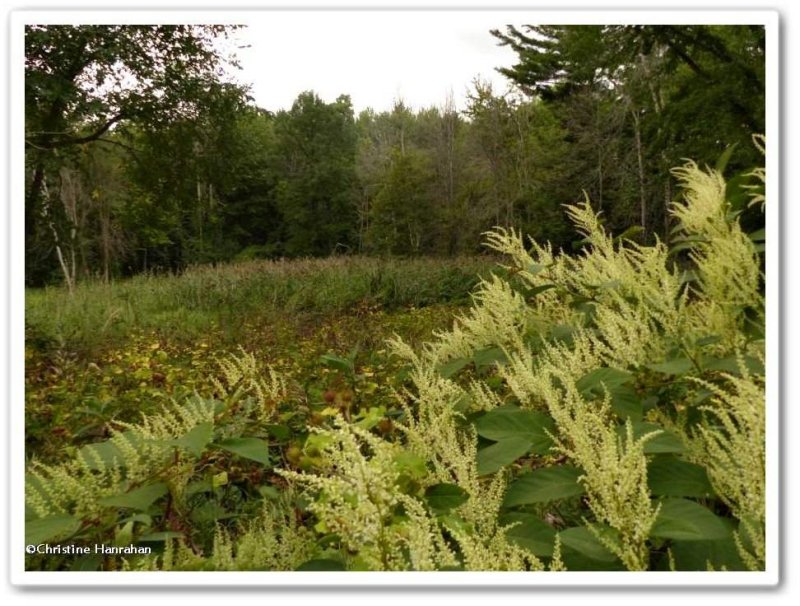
point(222, 297)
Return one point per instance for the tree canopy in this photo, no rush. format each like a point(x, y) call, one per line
point(140, 156)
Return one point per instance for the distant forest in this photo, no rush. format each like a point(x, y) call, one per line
point(139, 157)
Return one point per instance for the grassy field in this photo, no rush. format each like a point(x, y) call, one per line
point(110, 352)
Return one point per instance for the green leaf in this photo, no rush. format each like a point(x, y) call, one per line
point(510, 422)
point(685, 520)
point(730, 365)
point(342, 364)
point(544, 485)
point(537, 290)
point(680, 246)
point(664, 442)
point(531, 533)
point(488, 357)
point(676, 366)
point(581, 539)
point(504, 452)
point(669, 476)
point(628, 234)
point(409, 464)
point(625, 402)
point(255, 449)
point(200, 486)
point(139, 498)
point(695, 555)
point(535, 268)
point(269, 492)
point(444, 497)
point(760, 235)
point(51, 528)
point(279, 432)
point(610, 377)
point(562, 333)
point(101, 455)
point(197, 439)
point(321, 564)
point(448, 369)
point(708, 340)
point(725, 157)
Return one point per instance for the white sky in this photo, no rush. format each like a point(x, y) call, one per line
point(375, 57)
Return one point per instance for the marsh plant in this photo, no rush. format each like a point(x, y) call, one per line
point(597, 411)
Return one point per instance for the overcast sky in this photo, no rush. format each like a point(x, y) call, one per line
point(375, 57)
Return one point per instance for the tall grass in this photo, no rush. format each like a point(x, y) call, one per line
point(204, 297)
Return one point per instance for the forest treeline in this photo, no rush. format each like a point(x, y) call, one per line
point(141, 157)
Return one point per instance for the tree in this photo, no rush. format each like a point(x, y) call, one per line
point(404, 217)
point(315, 153)
point(686, 90)
point(82, 82)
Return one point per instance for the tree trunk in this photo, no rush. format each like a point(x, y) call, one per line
point(640, 161)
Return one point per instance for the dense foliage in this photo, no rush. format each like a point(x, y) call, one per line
point(603, 411)
point(140, 157)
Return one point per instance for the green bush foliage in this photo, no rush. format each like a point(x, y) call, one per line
point(603, 411)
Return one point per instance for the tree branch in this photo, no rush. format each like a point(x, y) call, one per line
point(87, 138)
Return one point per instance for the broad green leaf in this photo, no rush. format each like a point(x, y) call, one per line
point(101, 455)
point(676, 366)
point(625, 402)
point(488, 357)
point(51, 528)
point(685, 520)
point(664, 442)
point(708, 340)
point(200, 486)
point(510, 422)
point(696, 555)
point(730, 365)
point(138, 498)
point(581, 539)
point(504, 452)
point(760, 235)
point(255, 449)
point(321, 565)
point(197, 439)
point(448, 369)
point(610, 377)
point(531, 533)
point(544, 485)
point(669, 476)
point(444, 497)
